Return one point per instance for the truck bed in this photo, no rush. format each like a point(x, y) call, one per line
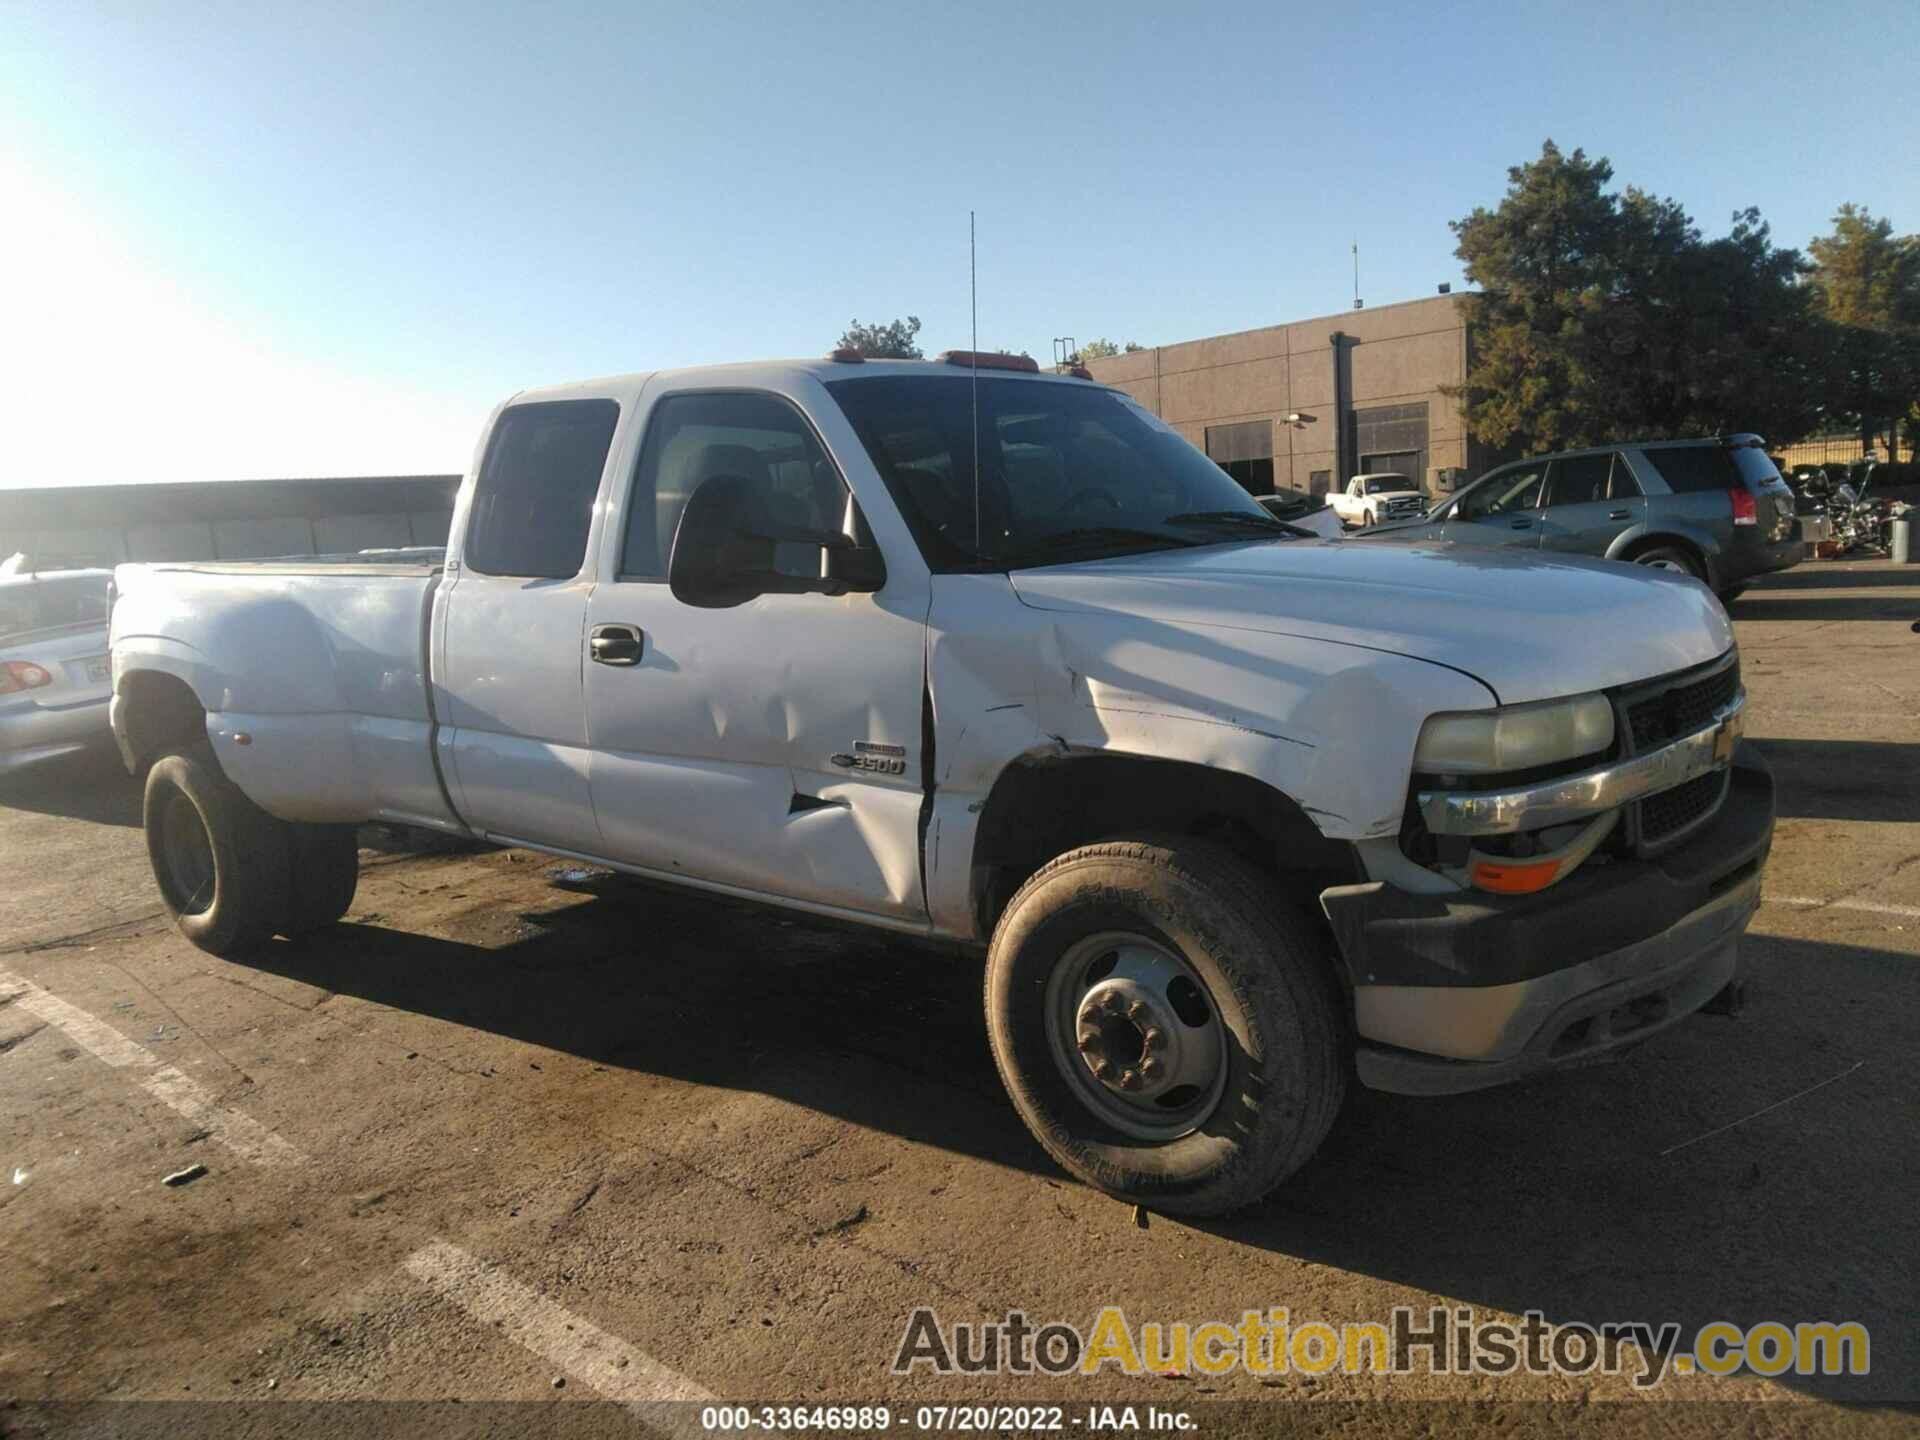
point(312, 670)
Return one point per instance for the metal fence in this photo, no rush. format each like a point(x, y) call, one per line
point(1840, 450)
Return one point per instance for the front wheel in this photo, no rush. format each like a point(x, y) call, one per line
point(1170, 1033)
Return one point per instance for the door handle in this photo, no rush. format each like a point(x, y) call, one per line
point(1521, 524)
point(616, 644)
point(1619, 514)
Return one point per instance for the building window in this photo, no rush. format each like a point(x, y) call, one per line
point(1245, 452)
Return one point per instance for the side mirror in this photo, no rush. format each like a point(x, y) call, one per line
point(724, 551)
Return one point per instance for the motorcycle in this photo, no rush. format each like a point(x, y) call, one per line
point(1853, 518)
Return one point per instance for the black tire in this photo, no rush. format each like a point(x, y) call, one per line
point(221, 862)
point(1670, 557)
point(1265, 969)
point(324, 873)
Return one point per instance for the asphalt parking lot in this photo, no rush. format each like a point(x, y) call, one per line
point(524, 1132)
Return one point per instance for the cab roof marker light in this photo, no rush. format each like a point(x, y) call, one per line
point(988, 360)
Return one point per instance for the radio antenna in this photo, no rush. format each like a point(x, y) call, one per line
point(973, 302)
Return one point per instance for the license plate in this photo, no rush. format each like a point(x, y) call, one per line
point(100, 670)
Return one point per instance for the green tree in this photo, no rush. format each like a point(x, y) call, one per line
point(1605, 315)
point(1866, 285)
point(1100, 350)
point(892, 341)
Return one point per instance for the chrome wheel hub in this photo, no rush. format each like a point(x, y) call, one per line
point(1136, 1034)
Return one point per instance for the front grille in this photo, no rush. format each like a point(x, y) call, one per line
point(1671, 812)
point(1659, 713)
point(1682, 709)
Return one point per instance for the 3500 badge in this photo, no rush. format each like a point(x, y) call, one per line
point(873, 758)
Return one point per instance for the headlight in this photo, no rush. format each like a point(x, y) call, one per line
point(1514, 737)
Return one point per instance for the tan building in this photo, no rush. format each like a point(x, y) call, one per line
point(1370, 380)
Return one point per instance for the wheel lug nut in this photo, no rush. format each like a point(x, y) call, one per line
point(1153, 1036)
point(1137, 1010)
point(1130, 1080)
point(1112, 1003)
point(1151, 1068)
point(1102, 1069)
point(1088, 1042)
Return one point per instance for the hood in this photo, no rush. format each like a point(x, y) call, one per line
point(1529, 626)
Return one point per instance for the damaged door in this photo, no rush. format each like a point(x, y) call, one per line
point(773, 746)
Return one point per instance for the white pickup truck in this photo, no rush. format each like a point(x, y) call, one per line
point(1376, 498)
point(993, 657)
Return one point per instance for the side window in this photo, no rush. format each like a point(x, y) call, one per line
point(1621, 485)
point(1579, 480)
point(1504, 494)
point(1691, 468)
point(533, 503)
point(760, 438)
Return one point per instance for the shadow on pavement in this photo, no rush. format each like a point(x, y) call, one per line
point(92, 785)
point(1839, 575)
point(1844, 779)
point(1611, 1193)
point(1761, 605)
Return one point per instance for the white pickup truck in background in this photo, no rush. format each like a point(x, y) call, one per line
point(1377, 498)
point(994, 657)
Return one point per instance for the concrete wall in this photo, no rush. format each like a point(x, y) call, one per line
point(1392, 355)
point(56, 526)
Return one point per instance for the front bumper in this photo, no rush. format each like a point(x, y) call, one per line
point(1459, 991)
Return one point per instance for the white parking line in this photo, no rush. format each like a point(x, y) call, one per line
point(103, 1040)
point(241, 1134)
point(1906, 912)
point(659, 1396)
point(173, 1088)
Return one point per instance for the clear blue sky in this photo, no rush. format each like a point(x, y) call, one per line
point(298, 238)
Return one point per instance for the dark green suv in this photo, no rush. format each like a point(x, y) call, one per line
point(1713, 509)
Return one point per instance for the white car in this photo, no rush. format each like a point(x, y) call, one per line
point(1377, 498)
point(55, 679)
point(1237, 815)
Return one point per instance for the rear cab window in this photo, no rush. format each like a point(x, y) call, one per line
point(533, 503)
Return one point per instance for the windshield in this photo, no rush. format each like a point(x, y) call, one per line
point(1384, 484)
point(1066, 472)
